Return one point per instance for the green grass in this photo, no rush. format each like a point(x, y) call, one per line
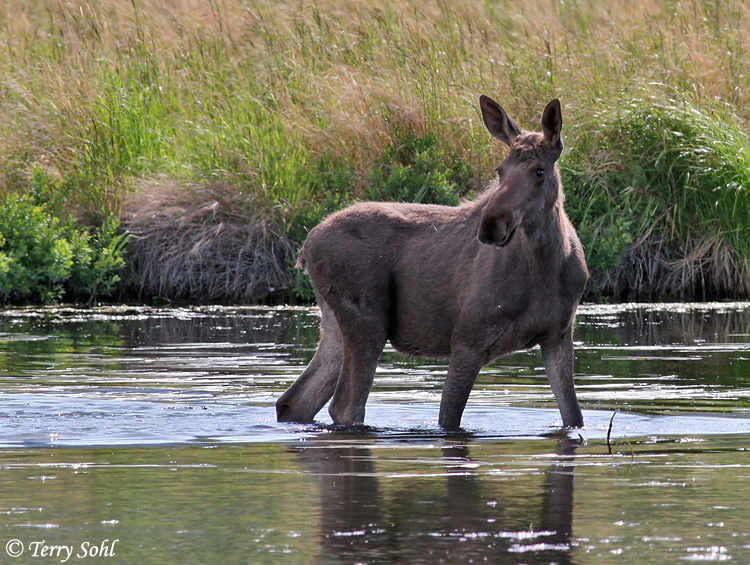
point(298, 109)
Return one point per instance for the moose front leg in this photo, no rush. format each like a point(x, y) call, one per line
point(558, 363)
point(463, 369)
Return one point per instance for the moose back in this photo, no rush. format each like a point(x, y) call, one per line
point(501, 273)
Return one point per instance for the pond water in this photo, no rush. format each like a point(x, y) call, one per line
point(144, 435)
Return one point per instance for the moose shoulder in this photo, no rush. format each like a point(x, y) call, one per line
point(501, 273)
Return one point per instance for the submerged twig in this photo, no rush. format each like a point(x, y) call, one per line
point(609, 431)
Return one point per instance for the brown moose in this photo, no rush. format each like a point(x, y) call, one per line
point(498, 274)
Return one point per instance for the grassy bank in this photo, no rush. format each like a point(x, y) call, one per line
point(227, 129)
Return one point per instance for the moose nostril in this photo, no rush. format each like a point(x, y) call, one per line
point(486, 232)
point(508, 236)
point(501, 231)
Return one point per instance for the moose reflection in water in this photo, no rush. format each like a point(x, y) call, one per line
point(449, 516)
point(495, 275)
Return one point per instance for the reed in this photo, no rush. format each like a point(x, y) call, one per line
point(294, 106)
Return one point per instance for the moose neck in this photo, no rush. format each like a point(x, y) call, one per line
point(547, 239)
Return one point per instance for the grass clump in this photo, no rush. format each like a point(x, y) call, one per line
point(664, 205)
point(192, 243)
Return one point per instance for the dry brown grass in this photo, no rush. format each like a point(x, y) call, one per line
point(652, 270)
point(189, 243)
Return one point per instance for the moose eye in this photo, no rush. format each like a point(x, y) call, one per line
point(539, 173)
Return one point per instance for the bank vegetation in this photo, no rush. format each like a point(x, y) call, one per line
point(214, 135)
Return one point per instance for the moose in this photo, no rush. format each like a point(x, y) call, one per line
point(501, 273)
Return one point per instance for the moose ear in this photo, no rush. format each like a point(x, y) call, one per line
point(552, 124)
point(499, 124)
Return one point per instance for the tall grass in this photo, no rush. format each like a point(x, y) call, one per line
point(294, 108)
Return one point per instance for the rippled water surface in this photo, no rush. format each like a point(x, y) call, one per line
point(156, 428)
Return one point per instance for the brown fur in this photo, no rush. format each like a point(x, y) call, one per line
point(501, 273)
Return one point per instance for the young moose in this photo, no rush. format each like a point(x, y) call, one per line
point(474, 282)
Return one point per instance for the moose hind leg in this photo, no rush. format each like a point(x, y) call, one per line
point(315, 386)
point(363, 342)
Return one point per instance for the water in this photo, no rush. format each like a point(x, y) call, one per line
point(156, 428)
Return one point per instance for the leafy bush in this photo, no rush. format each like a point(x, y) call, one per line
point(98, 258)
point(417, 170)
point(605, 214)
point(44, 258)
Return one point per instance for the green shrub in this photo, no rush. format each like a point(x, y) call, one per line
point(97, 259)
point(44, 258)
point(417, 170)
point(605, 214)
